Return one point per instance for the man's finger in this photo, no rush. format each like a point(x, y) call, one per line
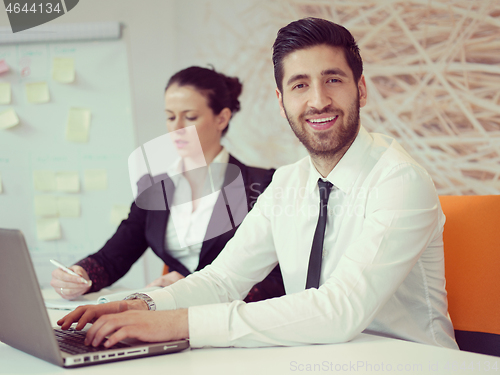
point(110, 326)
point(91, 333)
point(123, 306)
point(103, 327)
point(121, 334)
point(87, 317)
point(66, 321)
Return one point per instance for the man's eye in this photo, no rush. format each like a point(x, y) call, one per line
point(299, 86)
point(333, 80)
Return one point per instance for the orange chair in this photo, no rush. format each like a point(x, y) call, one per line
point(165, 269)
point(472, 268)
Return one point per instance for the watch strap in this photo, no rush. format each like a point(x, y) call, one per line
point(149, 301)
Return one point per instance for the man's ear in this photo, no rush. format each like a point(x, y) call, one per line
point(280, 102)
point(363, 92)
point(223, 118)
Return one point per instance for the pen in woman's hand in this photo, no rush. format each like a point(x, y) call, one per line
point(67, 270)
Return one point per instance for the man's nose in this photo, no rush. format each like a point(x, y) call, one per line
point(319, 98)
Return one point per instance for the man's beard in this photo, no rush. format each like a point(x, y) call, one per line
point(325, 144)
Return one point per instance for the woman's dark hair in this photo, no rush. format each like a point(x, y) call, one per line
point(310, 32)
point(221, 91)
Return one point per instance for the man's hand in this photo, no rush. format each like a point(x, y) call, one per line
point(127, 319)
point(90, 313)
point(151, 326)
point(166, 280)
point(69, 286)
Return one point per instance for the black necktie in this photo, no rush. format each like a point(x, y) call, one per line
point(314, 270)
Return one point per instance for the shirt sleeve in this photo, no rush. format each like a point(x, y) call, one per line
point(96, 272)
point(119, 253)
point(399, 223)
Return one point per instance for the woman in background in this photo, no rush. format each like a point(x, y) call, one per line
point(186, 235)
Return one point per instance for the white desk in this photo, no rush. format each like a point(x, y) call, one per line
point(382, 354)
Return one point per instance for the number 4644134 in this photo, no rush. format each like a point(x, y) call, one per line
point(18, 8)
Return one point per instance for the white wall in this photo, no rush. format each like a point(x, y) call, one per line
point(150, 36)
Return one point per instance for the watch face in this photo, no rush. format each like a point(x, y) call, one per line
point(149, 301)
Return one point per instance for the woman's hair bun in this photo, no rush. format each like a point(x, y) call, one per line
point(234, 87)
point(220, 90)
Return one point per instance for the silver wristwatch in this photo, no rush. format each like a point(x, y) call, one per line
point(149, 301)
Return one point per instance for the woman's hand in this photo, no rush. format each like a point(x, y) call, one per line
point(69, 286)
point(167, 279)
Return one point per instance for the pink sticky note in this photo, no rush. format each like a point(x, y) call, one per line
point(3, 66)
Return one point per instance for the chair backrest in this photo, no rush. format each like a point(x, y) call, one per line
point(472, 267)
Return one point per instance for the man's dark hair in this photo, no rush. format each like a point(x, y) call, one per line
point(310, 32)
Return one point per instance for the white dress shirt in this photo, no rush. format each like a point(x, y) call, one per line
point(186, 228)
point(382, 269)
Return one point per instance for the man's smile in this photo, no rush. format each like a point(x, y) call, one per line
point(322, 123)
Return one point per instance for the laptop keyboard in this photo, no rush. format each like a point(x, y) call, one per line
point(71, 341)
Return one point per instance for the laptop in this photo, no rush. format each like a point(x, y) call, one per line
point(26, 325)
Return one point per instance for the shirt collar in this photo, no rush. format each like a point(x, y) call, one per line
point(175, 169)
point(222, 157)
point(344, 174)
point(314, 175)
point(217, 174)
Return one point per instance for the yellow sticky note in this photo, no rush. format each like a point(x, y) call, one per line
point(68, 182)
point(45, 205)
point(44, 180)
point(119, 213)
point(48, 229)
point(37, 92)
point(5, 93)
point(95, 179)
point(77, 129)
point(63, 69)
point(8, 119)
point(68, 206)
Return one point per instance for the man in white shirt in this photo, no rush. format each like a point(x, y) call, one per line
point(381, 268)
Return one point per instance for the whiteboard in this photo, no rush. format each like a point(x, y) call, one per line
point(39, 143)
